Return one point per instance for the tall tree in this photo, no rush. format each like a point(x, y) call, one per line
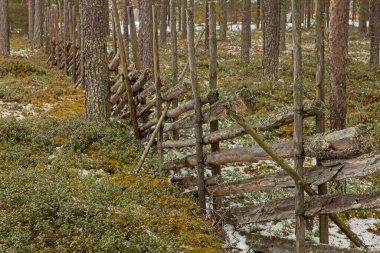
point(30, 19)
point(337, 64)
point(66, 21)
point(258, 12)
point(37, 37)
point(124, 15)
point(283, 7)
point(374, 31)
point(207, 30)
point(183, 20)
point(95, 33)
point(271, 30)
point(163, 20)
point(223, 19)
point(363, 15)
point(246, 30)
point(146, 33)
point(4, 28)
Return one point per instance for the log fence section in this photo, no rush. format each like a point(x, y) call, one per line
point(139, 96)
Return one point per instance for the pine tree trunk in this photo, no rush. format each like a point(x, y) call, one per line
point(363, 15)
point(146, 34)
point(271, 32)
point(283, 24)
point(66, 22)
point(37, 37)
point(337, 64)
point(4, 28)
point(95, 33)
point(163, 19)
point(30, 19)
point(246, 30)
point(223, 19)
point(207, 31)
point(258, 12)
point(124, 15)
point(183, 20)
point(374, 32)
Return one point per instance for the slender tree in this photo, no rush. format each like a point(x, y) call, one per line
point(271, 32)
point(183, 20)
point(146, 34)
point(163, 20)
point(374, 32)
point(337, 64)
point(207, 30)
point(30, 19)
point(95, 22)
point(37, 37)
point(4, 28)
point(246, 30)
point(66, 21)
point(258, 13)
point(223, 19)
point(283, 10)
point(363, 15)
point(124, 15)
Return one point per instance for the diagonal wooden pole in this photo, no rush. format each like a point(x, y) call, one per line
point(293, 173)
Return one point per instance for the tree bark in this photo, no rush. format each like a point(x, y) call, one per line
point(174, 53)
point(4, 28)
point(337, 64)
point(163, 20)
point(363, 15)
point(223, 20)
point(283, 24)
point(183, 20)
point(245, 31)
point(95, 33)
point(66, 21)
point(31, 19)
point(37, 37)
point(271, 41)
point(146, 34)
point(124, 14)
point(374, 32)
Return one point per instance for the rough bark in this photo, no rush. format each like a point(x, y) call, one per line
point(335, 145)
point(284, 208)
point(134, 39)
point(146, 34)
point(37, 36)
point(337, 64)
point(363, 15)
point(66, 21)
point(95, 22)
point(183, 19)
point(374, 32)
point(124, 14)
point(271, 25)
point(4, 28)
point(174, 52)
point(327, 172)
point(31, 19)
point(223, 20)
point(245, 31)
point(163, 20)
point(283, 13)
point(277, 119)
point(272, 244)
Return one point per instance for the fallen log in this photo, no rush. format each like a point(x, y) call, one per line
point(277, 119)
point(341, 144)
point(272, 244)
point(114, 64)
point(332, 171)
point(242, 101)
point(316, 205)
point(192, 181)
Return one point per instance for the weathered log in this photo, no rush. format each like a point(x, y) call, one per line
point(332, 171)
point(277, 119)
point(284, 208)
point(345, 143)
point(272, 244)
point(175, 112)
point(114, 64)
point(242, 101)
point(192, 181)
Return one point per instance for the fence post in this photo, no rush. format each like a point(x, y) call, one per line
point(198, 113)
point(134, 42)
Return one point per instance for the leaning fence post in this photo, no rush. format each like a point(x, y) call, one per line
point(198, 113)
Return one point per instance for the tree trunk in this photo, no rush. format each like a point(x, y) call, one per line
point(124, 14)
point(37, 37)
point(207, 30)
point(363, 15)
point(246, 30)
point(271, 32)
point(374, 32)
point(4, 28)
point(258, 12)
point(283, 24)
point(223, 19)
point(174, 54)
point(146, 34)
point(30, 19)
point(163, 20)
point(183, 20)
point(95, 33)
point(337, 64)
point(66, 21)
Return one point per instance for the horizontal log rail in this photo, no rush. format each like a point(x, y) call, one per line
point(278, 119)
point(341, 144)
point(318, 204)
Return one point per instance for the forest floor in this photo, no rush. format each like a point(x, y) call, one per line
point(68, 181)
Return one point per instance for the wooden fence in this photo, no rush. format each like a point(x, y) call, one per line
point(159, 110)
